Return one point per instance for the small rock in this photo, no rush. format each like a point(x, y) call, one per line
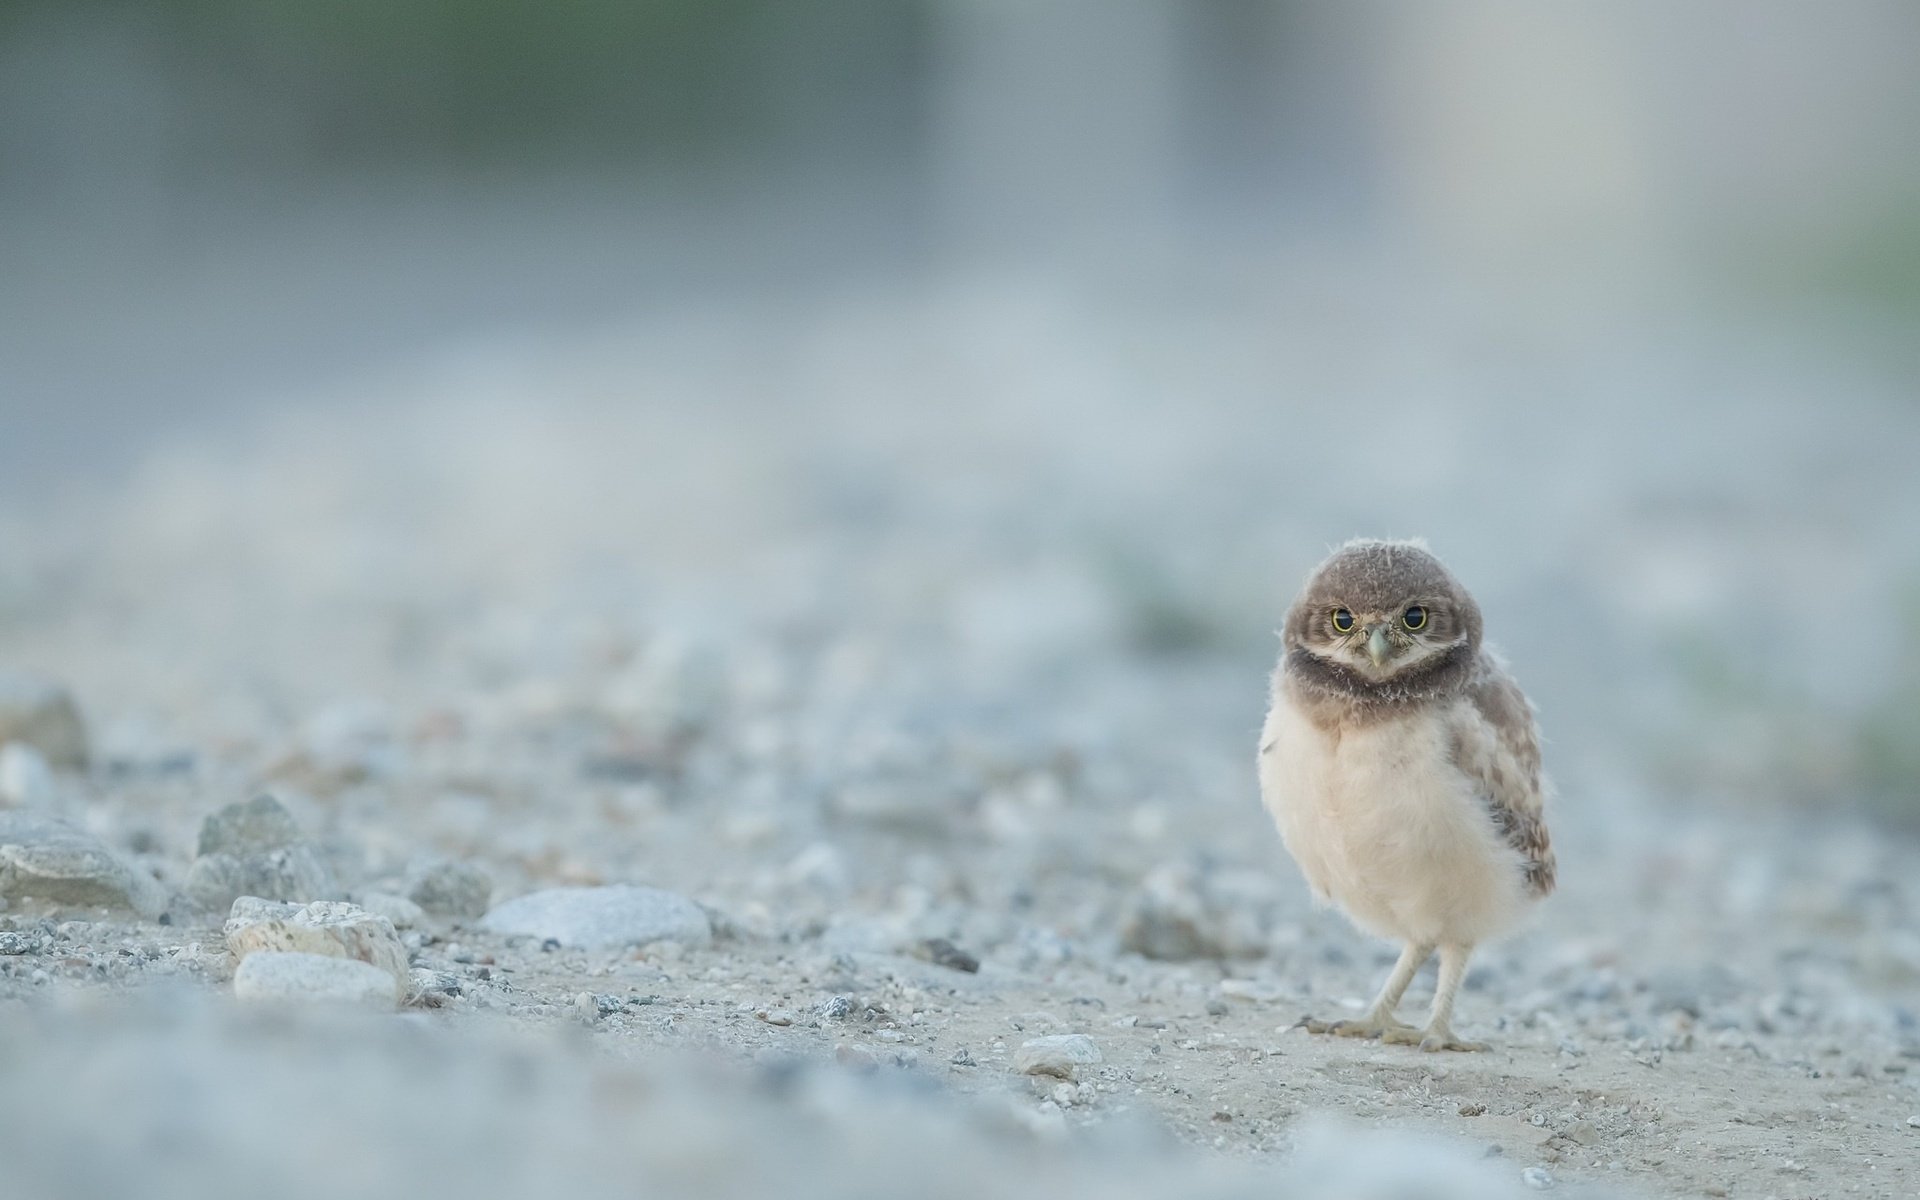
point(12, 943)
point(603, 917)
point(1583, 1132)
point(775, 1016)
point(42, 715)
point(249, 827)
point(1473, 1110)
point(834, 1008)
point(859, 1058)
point(461, 890)
point(1913, 1122)
point(51, 860)
point(432, 989)
point(295, 873)
point(1216, 1006)
point(255, 848)
point(325, 927)
point(26, 781)
point(942, 952)
point(289, 975)
point(404, 913)
point(1537, 1178)
point(1059, 1055)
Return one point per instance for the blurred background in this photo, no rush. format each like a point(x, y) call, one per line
point(1613, 303)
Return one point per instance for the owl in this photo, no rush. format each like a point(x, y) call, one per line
point(1401, 763)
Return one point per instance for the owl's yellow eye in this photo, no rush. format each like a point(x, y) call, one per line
point(1342, 621)
point(1415, 618)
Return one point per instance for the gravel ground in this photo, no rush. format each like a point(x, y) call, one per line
point(913, 650)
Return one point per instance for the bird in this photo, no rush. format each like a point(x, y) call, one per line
point(1401, 762)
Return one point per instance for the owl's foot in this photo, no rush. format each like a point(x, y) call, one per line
point(1373, 1025)
point(1432, 1040)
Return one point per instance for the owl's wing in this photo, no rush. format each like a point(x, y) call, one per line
point(1496, 745)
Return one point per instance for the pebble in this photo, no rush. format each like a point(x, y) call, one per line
point(1059, 1055)
point(296, 873)
point(460, 890)
point(404, 913)
point(1537, 1178)
point(603, 917)
point(12, 943)
point(432, 989)
point(51, 860)
point(327, 927)
point(319, 978)
point(42, 715)
point(1913, 1122)
point(249, 827)
point(26, 781)
point(859, 1058)
point(942, 952)
point(775, 1016)
point(255, 848)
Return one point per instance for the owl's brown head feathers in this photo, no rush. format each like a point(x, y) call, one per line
point(1381, 624)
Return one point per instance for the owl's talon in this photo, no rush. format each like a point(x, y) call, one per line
point(1402, 1035)
point(1362, 1027)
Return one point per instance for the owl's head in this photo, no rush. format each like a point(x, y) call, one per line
point(1383, 620)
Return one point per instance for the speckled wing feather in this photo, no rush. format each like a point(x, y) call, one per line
point(1495, 744)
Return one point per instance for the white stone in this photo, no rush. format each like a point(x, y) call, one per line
point(603, 917)
point(404, 913)
point(50, 860)
point(291, 975)
point(25, 778)
point(330, 928)
point(1059, 1055)
point(450, 889)
point(1537, 1178)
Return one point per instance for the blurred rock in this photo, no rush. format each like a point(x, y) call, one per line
point(1174, 918)
point(26, 781)
point(1059, 1055)
point(327, 927)
point(255, 848)
point(49, 860)
point(942, 952)
point(461, 890)
point(404, 913)
point(295, 874)
point(292, 975)
point(601, 917)
point(42, 715)
point(433, 989)
point(249, 827)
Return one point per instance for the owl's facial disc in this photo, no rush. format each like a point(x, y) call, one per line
point(1381, 645)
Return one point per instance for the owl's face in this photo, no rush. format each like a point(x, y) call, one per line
point(1383, 613)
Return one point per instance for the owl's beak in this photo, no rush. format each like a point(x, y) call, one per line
point(1378, 648)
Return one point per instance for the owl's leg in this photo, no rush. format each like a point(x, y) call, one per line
point(1379, 1021)
point(1439, 1032)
